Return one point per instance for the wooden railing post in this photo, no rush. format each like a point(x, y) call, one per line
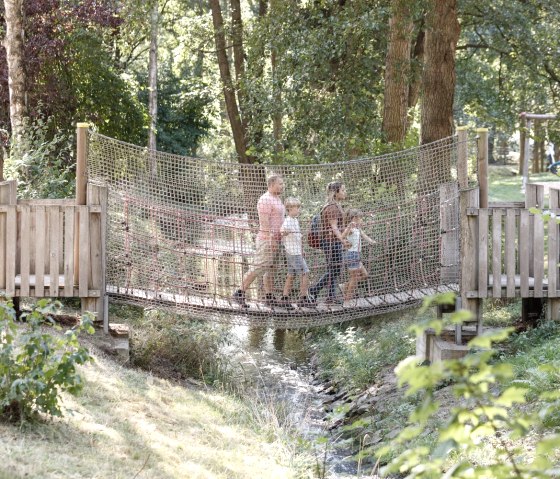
point(522, 135)
point(483, 166)
point(8, 196)
point(469, 255)
point(462, 157)
point(534, 198)
point(81, 187)
point(449, 212)
point(525, 146)
point(97, 195)
point(553, 302)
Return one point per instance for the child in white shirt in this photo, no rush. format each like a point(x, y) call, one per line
point(352, 256)
point(292, 241)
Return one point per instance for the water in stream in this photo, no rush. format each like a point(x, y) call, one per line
point(279, 366)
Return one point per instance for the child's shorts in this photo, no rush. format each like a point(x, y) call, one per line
point(352, 260)
point(297, 264)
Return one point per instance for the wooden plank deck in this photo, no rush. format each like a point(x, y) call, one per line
point(227, 305)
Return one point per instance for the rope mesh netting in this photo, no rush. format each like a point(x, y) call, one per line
point(181, 232)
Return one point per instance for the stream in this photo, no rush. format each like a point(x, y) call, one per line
point(278, 365)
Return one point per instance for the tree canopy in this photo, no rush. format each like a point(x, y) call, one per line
point(309, 78)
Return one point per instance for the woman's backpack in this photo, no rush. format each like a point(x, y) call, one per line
point(314, 234)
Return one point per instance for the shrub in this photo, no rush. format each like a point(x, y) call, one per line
point(487, 415)
point(355, 356)
point(177, 347)
point(35, 366)
point(42, 161)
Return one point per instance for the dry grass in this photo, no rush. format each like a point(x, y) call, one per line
point(129, 424)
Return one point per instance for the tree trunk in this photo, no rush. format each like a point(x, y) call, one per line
point(416, 69)
point(239, 134)
point(256, 63)
point(239, 61)
point(152, 79)
point(438, 79)
point(397, 72)
point(276, 86)
point(438, 87)
point(13, 42)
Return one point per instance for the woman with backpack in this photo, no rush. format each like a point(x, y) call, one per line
point(332, 243)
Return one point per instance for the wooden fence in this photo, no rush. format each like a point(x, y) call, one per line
point(510, 252)
point(54, 248)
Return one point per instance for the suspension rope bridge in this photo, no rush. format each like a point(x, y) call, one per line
point(181, 230)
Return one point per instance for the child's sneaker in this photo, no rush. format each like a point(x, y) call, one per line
point(334, 301)
point(239, 297)
point(285, 302)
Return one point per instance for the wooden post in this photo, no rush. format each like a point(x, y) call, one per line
point(97, 195)
point(483, 166)
point(522, 134)
point(449, 212)
point(526, 146)
point(462, 157)
point(553, 302)
point(81, 187)
point(8, 196)
point(534, 198)
point(469, 255)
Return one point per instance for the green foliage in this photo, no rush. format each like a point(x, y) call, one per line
point(174, 347)
point(35, 365)
point(354, 356)
point(507, 61)
point(40, 162)
point(182, 116)
point(100, 94)
point(487, 414)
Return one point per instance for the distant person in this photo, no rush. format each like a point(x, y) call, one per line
point(352, 256)
point(550, 153)
point(293, 245)
point(332, 243)
point(271, 216)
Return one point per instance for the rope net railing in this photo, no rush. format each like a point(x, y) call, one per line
point(181, 234)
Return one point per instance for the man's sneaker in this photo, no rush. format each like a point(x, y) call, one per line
point(271, 301)
point(239, 296)
point(307, 302)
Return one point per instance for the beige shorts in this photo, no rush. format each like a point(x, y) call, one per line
point(266, 256)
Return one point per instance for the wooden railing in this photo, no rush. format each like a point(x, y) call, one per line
point(53, 248)
point(512, 252)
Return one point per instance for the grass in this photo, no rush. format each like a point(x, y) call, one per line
point(505, 184)
point(354, 356)
point(128, 423)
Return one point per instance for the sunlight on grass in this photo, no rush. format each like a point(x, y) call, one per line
point(127, 421)
point(505, 185)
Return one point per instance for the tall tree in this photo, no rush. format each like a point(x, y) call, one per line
point(438, 78)
point(13, 42)
point(232, 107)
point(397, 72)
point(152, 78)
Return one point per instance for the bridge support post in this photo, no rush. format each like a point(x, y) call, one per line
point(97, 195)
point(552, 309)
point(469, 198)
point(553, 301)
point(81, 187)
point(482, 158)
point(8, 196)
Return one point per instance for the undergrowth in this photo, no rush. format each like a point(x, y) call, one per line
point(174, 346)
point(353, 356)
